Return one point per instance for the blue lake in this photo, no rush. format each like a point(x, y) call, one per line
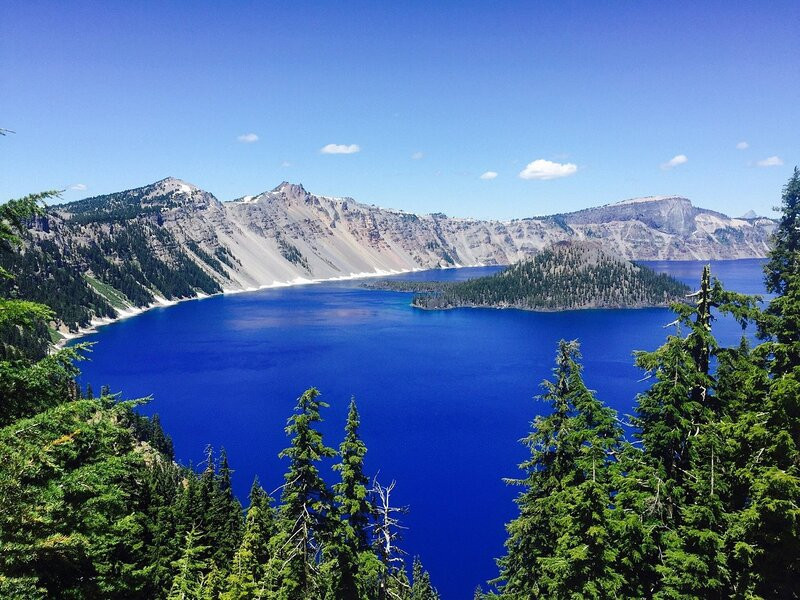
point(444, 396)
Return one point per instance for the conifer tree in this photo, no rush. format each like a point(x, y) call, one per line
point(305, 521)
point(421, 588)
point(213, 584)
point(678, 420)
point(355, 511)
point(226, 515)
point(246, 579)
point(767, 528)
point(190, 569)
point(164, 538)
point(560, 541)
point(782, 277)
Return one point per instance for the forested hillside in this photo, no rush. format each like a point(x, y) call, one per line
point(704, 502)
point(107, 255)
point(565, 276)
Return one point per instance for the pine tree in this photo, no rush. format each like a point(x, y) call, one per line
point(355, 510)
point(560, 541)
point(163, 487)
point(190, 570)
point(767, 528)
point(421, 588)
point(305, 522)
point(246, 579)
point(226, 515)
point(679, 422)
point(782, 277)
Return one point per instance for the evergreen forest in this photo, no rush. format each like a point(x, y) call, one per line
point(567, 275)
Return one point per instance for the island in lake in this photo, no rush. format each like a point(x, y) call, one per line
point(565, 276)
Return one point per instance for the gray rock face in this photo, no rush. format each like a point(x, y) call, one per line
point(289, 234)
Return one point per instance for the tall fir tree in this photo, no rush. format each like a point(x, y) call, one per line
point(561, 543)
point(226, 516)
point(306, 521)
point(768, 527)
point(246, 579)
point(421, 587)
point(351, 545)
point(190, 569)
point(782, 277)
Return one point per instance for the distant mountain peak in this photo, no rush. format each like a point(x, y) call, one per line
point(173, 184)
point(750, 214)
point(294, 189)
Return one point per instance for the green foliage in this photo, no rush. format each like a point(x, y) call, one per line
point(421, 587)
point(305, 519)
point(190, 569)
point(46, 274)
point(355, 510)
point(560, 542)
point(27, 387)
point(71, 523)
point(23, 329)
point(570, 275)
point(15, 213)
point(782, 277)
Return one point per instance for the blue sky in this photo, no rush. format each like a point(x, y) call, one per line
point(570, 104)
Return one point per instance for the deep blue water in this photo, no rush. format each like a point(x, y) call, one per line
point(444, 396)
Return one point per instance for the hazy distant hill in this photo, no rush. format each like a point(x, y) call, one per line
point(565, 276)
point(171, 240)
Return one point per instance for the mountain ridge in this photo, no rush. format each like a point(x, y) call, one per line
point(171, 240)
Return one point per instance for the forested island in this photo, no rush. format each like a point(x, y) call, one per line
point(565, 276)
point(703, 502)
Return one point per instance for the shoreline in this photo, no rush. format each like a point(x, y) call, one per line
point(161, 302)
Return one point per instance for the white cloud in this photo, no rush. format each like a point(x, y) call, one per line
point(678, 159)
point(545, 169)
point(79, 187)
point(248, 138)
point(286, 164)
point(340, 149)
point(489, 175)
point(772, 161)
point(417, 155)
point(742, 145)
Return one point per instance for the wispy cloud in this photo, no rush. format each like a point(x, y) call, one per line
point(79, 187)
point(286, 164)
point(771, 161)
point(742, 145)
point(489, 175)
point(417, 156)
point(678, 159)
point(340, 149)
point(546, 169)
point(248, 138)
